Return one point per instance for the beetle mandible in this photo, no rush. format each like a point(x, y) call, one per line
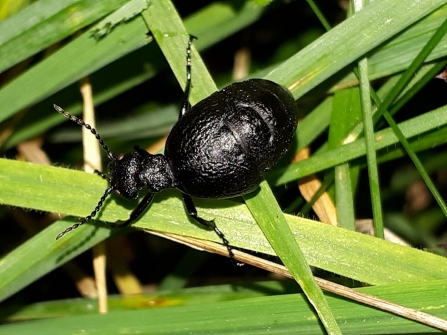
point(219, 148)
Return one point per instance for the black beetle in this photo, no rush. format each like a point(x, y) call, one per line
point(220, 148)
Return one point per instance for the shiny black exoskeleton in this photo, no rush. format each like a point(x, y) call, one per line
point(220, 148)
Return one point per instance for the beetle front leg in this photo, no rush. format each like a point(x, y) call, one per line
point(210, 224)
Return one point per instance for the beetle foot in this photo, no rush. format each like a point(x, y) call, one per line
point(228, 246)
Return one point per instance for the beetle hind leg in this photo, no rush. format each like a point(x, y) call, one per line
point(209, 224)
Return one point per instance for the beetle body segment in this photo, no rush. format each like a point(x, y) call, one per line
point(223, 145)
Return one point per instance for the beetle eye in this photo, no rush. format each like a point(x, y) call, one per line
point(120, 157)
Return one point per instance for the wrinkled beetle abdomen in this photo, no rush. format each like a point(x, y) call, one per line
point(226, 142)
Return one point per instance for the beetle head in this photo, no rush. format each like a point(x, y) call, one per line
point(123, 175)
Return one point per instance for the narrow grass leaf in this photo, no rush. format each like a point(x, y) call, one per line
point(44, 23)
point(53, 189)
point(345, 113)
point(270, 219)
point(324, 57)
point(283, 314)
point(416, 126)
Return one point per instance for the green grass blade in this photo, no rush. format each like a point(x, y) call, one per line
point(270, 219)
point(324, 57)
point(421, 78)
point(47, 188)
point(424, 142)
point(84, 55)
point(396, 55)
point(42, 254)
point(173, 45)
point(404, 80)
point(314, 123)
point(373, 173)
point(319, 14)
point(148, 300)
point(345, 113)
point(414, 127)
point(272, 314)
point(419, 166)
point(44, 23)
point(413, 68)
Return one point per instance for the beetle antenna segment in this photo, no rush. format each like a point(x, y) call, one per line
point(185, 102)
point(87, 126)
point(101, 174)
point(88, 217)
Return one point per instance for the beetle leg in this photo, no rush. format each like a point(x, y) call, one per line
point(141, 207)
point(141, 151)
point(192, 212)
point(185, 102)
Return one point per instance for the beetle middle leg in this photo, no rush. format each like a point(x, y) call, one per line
point(209, 224)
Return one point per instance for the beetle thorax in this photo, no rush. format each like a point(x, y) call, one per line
point(156, 174)
point(133, 171)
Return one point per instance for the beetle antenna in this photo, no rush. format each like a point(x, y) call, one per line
point(87, 126)
point(88, 217)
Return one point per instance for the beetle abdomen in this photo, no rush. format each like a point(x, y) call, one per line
point(225, 143)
